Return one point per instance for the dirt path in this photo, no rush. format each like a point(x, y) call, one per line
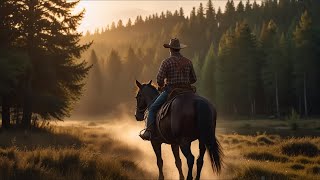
point(126, 130)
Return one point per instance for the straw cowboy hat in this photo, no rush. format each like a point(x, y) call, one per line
point(174, 44)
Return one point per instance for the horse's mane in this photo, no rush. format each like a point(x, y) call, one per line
point(152, 86)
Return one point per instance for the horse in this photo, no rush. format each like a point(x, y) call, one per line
point(190, 117)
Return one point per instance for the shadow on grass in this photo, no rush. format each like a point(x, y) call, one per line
point(40, 137)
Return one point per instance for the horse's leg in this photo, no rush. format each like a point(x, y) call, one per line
point(186, 150)
point(175, 150)
point(157, 149)
point(202, 150)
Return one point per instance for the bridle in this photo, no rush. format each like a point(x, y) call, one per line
point(144, 110)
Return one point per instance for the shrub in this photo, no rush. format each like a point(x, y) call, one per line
point(297, 167)
point(304, 161)
point(314, 170)
point(300, 148)
point(293, 118)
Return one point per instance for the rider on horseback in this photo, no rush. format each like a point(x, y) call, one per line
point(178, 72)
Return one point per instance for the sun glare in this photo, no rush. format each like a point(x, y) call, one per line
point(98, 14)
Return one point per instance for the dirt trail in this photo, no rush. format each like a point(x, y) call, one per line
point(126, 130)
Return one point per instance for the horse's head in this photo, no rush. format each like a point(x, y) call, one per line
point(146, 93)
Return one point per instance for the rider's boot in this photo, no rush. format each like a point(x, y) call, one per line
point(147, 133)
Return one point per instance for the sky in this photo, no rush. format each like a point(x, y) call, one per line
point(100, 13)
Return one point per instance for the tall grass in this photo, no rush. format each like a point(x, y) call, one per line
point(61, 153)
point(270, 157)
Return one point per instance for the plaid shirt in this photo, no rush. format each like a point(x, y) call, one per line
point(177, 70)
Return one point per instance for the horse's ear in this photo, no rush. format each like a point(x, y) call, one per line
point(138, 84)
point(150, 82)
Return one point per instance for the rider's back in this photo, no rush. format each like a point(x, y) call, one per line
point(177, 70)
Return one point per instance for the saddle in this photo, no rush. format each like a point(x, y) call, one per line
point(163, 111)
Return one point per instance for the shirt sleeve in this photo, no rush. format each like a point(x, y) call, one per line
point(193, 77)
point(162, 74)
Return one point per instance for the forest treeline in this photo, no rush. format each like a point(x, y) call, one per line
point(40, 74)
point(252, 59)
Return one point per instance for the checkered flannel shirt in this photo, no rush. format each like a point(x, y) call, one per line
point(177, 70)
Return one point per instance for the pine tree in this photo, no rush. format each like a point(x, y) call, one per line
point(207, 83)
point(120, 24)
point(129, 24)
point(240, 8)
point(13, 64)
point(273, 68)
point(94, 86)
point(181, 12)
point(210, 13)
point(197, 68)
point(219, 16)
point(193, 15)
point(54, 79)
point(113, 26)
point(307, 41)
point(200, 13)
point(113, 66)
point(248, 7)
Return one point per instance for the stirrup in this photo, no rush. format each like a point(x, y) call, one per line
point(145, 139)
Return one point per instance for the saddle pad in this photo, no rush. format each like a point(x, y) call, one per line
point(164, 109)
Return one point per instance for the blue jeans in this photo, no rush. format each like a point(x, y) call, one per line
point(155, 106)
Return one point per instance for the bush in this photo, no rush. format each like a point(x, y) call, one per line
point(265, 156)
point(304, 161)
point(300, 148)
point(293, 118)
point(314, 170)
point(297, 167)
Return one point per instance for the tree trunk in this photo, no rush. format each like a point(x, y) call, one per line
point(5, 112)
point(254, 108)
point(27, 105)
point(305, 95)
point(277, 96)
point(26, 117)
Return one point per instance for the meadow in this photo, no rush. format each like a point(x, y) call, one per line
point(112, 150)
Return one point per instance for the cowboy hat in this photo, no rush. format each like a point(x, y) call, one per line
point(174, 44)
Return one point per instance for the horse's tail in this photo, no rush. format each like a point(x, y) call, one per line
point(206, 124)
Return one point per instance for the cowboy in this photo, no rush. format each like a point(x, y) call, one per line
point(178, 72)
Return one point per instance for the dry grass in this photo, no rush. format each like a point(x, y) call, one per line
point(270, 157)
point(64, 153)
point(89, 152)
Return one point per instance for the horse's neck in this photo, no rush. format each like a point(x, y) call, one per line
point(151, 99)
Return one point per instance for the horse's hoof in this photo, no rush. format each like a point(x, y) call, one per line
point(189, 178)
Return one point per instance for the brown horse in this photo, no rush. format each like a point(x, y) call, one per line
point(190, 117)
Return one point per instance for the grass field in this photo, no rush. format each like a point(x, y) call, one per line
point(92, 150)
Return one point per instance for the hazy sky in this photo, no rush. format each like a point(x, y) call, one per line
point(100, 13)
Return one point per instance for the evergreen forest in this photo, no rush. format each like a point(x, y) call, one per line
point(255, 59)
